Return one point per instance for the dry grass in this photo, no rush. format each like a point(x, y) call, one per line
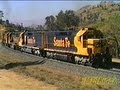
point(60, 79)
point(11, 81)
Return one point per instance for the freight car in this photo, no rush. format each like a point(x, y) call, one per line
point(86, 46)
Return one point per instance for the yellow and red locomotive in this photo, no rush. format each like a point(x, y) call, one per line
point(86, 46)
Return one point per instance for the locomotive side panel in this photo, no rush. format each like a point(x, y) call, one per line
point(34, 39)
point(61, 40)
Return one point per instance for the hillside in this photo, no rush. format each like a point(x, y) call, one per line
point(104, 17)
point(97, 13)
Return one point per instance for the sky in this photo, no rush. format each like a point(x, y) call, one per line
point(34, 12)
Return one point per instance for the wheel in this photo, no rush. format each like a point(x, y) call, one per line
point(14, 47)
point(43, 53)
point(33, 51)
point(22, 49)
point(71, 58)
point(97, 61)
point(85, 64)
point(8, 45)
point(107, 61)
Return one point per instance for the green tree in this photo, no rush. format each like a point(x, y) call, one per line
point(60, 20)
point(50, 22)
point(1, 16)
point(67, 19)
point(111, 30)
point(39, 27)
point(7, 22)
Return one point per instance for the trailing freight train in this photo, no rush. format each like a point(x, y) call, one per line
point(86, 46)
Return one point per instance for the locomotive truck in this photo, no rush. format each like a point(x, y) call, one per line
point(86, 46)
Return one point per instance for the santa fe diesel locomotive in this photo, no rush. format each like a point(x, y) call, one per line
point(86, 46)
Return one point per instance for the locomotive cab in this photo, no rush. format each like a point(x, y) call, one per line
point(91, 46)
point(88, 42)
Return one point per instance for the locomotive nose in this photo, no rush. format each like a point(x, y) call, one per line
point(95, 45)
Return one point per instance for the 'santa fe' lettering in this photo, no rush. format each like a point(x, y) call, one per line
point(61, 42)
